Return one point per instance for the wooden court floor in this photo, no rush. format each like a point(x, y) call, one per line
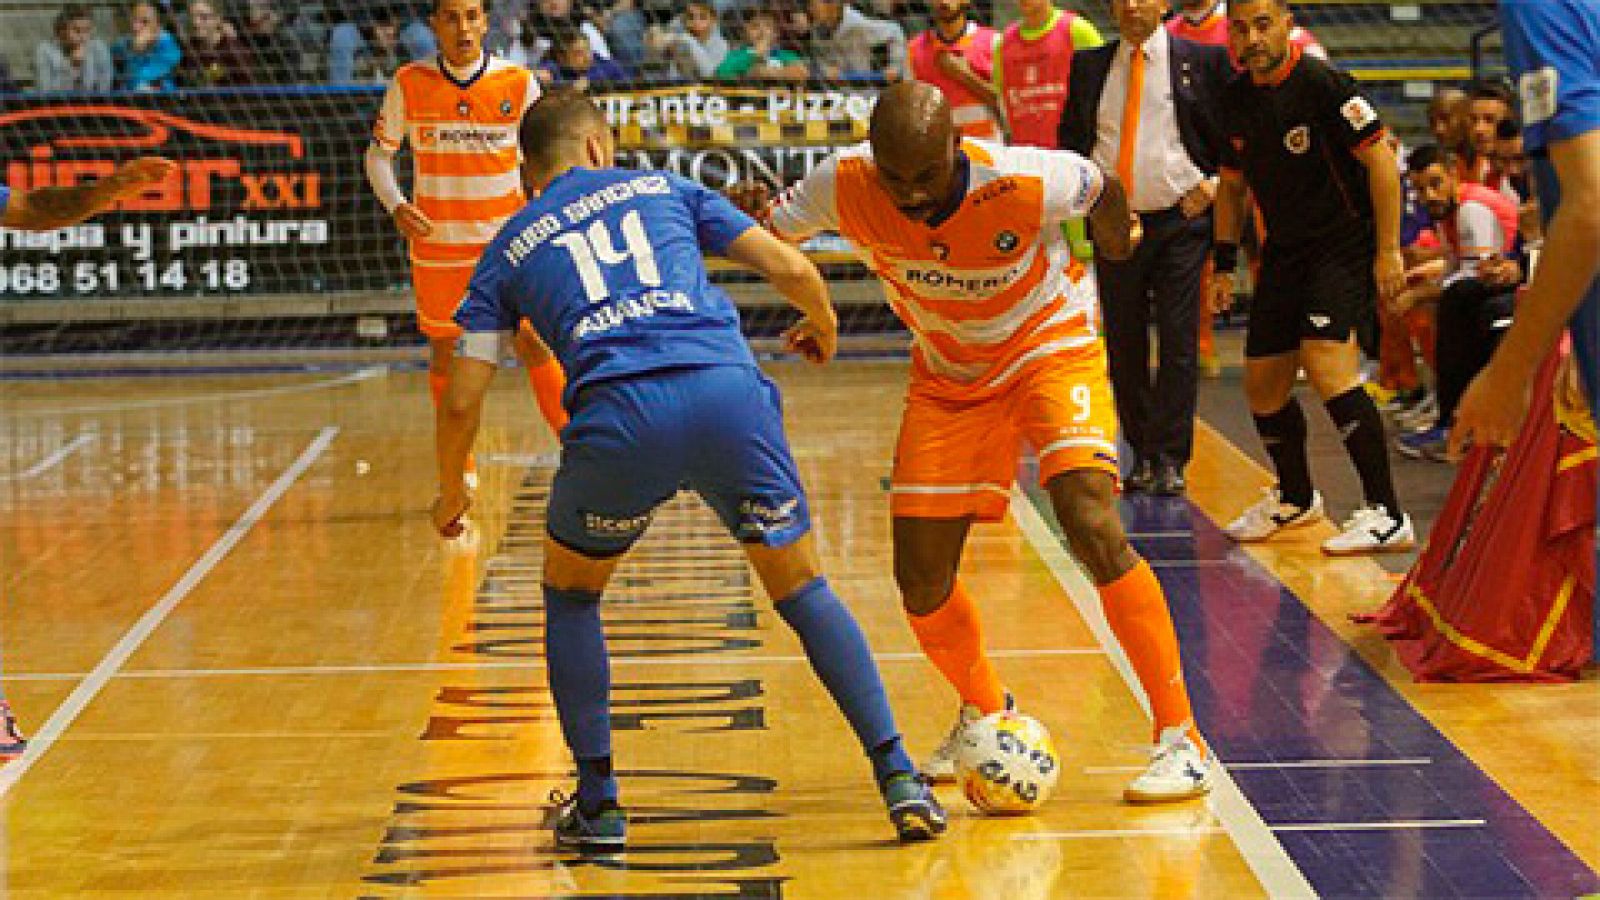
point(251, 671)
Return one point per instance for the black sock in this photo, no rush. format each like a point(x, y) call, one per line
point(1356, 417)
point(1284, 434)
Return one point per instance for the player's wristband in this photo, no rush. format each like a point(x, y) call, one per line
point(1224, 257)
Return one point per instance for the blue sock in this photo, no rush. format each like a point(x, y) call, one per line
point(580, 681)
point(842, 660)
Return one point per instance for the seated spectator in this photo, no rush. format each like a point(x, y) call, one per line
point(847, 44)
point(348, 40)
point(760, 57)
point(1510, 165)
point(693, 45)
point(1476, 291)
point(274, 46)
point(74, 60)
point(213, 54)
point(148, 55)
point(572, 61)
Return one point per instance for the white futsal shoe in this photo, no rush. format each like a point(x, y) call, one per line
point(1371, 529)
point(941, 766)
point(1179, 770)
point(1270, 515)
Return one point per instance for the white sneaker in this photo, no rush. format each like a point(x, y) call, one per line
point(1371, 529)
point(1178, 771)
point(1271, 515)
point(941, 766)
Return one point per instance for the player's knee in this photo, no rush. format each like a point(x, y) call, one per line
point(1085, 506)
point(923, 587)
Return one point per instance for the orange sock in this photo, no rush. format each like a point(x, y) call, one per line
point(1136, 609)
point(952, 636)
point(548, 382)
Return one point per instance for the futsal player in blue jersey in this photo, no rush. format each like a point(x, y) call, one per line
point(46, 209)
point(1553, 50)
point(607, 265)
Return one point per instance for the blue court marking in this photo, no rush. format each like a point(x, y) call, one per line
point(1271, 683)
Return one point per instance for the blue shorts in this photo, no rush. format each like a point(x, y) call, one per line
point(635, 442)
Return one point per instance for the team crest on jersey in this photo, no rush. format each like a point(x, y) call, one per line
point(464, 108)
point(1298, 140)
point(1006, 241)
point(505, 107)
point(941, 250)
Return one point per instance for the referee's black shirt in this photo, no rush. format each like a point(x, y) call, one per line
point(1295, 141)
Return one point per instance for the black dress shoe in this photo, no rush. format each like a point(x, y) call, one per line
point(1169, 482)
point(1142, 479)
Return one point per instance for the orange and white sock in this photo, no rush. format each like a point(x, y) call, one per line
point(1136, 609)
point(952, 637)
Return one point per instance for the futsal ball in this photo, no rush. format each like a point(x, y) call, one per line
point(1006, 764)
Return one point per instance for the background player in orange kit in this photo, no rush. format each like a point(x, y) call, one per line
point(460, 113)
point(966, 237)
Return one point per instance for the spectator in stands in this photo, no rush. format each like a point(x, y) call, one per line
point(1488, 105)
point(1206, 22)
point(1510, 165)
point(273, 45)
point(573, 61)
point(213, 54)
point(692, 45)
point(74, 60)
point(847, 44)
point(1032, 68)
point(382, 53)
point(348, 40)
point(760, 57)
point(1474, 294)
point(1447, 119)
point(956, 55)
point(148, 55)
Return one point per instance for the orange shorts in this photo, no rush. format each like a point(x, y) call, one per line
point(957, 459)
point(439, 290)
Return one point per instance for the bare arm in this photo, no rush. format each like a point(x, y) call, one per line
point(1112, 223)
point(1494, 405)
point(798, 280)
point(454, 431)
point(1383, 181)
point(46, 209)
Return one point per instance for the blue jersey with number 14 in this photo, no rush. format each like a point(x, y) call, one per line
point(608, 266)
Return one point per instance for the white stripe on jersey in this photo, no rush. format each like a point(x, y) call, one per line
point(474, 233)
point(468, 187)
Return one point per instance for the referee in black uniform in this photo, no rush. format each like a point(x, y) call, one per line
point(1303, 139)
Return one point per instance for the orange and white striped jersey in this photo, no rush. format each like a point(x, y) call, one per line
point(987, 290)
point(465, 156)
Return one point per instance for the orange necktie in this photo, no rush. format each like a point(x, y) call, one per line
point(1129, 136)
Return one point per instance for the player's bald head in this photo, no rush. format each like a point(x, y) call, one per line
point(910, 117)
point(558, 129)
point(914, 147)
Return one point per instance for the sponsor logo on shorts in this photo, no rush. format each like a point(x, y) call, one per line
point(1298, 140)
point(614, 527)
point(758, 517)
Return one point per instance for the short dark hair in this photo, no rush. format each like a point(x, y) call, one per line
point(565, 35)
point(1508, 129)
point(434, 7)
point(555, 123)
point(1493, 89)
point(1429, 155)
point(72, 12)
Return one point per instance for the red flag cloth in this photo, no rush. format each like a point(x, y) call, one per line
point(1504, 590)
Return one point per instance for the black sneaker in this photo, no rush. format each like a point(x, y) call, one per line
point(603, 831)
point(915, 812)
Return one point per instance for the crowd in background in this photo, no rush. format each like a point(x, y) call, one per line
point(172, 44)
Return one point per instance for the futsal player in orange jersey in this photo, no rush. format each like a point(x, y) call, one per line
point(966, 238)
point(460, 113)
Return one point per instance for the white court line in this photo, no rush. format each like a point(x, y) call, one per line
point(359, 375)
point(102, 674)
point(1215, 829)
point(486, 665)
point(1262, 852)
point(53, 460)
point(1283, 764)
point(1160, 534)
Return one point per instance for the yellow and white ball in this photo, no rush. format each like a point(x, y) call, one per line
point(1006, 764)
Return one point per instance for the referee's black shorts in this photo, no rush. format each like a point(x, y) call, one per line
point(1321, 290)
